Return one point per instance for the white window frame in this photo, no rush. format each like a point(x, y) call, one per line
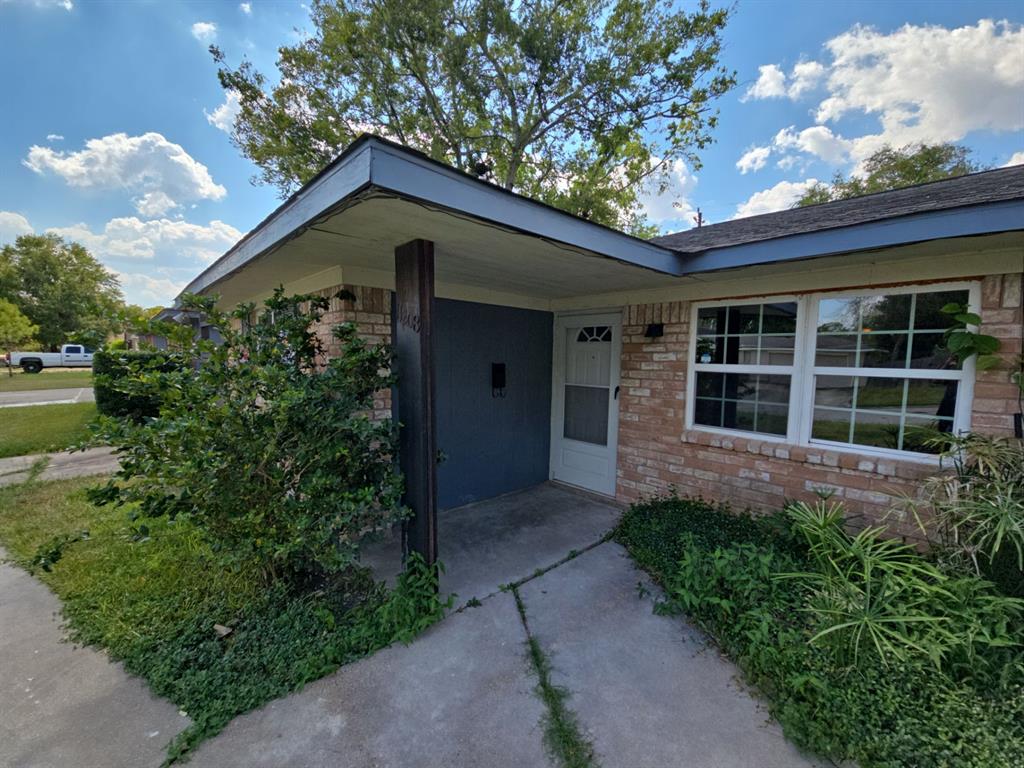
point(803, 370)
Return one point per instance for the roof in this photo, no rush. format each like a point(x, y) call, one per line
point(973, 189)
point(371, 165)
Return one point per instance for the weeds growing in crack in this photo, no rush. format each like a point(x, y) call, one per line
point(562, 734)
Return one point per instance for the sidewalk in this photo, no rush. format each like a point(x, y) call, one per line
point(94, 461)
point(67, 706)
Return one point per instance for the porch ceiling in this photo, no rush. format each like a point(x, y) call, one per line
point(469, 254)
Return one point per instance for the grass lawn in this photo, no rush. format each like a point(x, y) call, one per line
point(43, 428)
point(55, 378)
point(733, 576)
point(150, 592)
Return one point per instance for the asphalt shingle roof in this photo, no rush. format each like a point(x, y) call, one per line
point(973, 189)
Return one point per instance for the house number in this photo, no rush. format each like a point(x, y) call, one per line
point(409, 318)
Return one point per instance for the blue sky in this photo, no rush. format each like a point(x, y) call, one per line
point(109, 128)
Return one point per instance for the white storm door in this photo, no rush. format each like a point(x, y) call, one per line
point(585, 404)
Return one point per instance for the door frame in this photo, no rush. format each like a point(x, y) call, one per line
point(562, 321)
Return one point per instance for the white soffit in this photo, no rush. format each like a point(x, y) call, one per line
point(467, 252)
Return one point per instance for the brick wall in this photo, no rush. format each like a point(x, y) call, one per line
point(371, 312)
point(656, 453)
point(995, 395)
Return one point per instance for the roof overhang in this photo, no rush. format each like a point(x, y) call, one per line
point(377, 195)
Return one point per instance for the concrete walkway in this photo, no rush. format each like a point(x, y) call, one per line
point(648, 691)
point(46, 397)
point(59, 466)
point(63, 706)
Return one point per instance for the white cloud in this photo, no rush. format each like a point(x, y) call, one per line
point(154, 204)
point(169, 240)
point(817, 140)
point(805, 77)
point(161, 172)
point(780, 197)
point(223, 117)
point(147, 290)
point(54, 137)
point(1017, 158)
point(245, 8)
point(924, 84)
point(928, 83)
point(771, 83)
point(753, 159)
point(671, 204)
point(13, 225)
point(204, 31)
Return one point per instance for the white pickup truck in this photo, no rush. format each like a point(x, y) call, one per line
point(70, 356)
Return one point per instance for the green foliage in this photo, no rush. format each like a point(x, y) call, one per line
point(737, 585)
point(892, 168)
point(575, 103)
point(140, 398)
point(974, 516)
point(152, 603)
point(875, 601)
point(61, 288)
point(16, 330)
point(964, 343)
point(264, 444)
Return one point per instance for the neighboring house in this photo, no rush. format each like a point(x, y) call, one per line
point(752, 361)
point(200, 328)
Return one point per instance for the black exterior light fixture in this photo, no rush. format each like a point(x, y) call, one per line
point(655, 331)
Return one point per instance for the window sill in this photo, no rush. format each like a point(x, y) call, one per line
point(879, 463)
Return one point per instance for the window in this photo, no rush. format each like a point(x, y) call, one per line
point(743, 360)
point(865, 370)
point(72, 350)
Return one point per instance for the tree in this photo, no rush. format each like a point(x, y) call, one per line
point(578, 103)
point(15, 329)
point(61, 288)
point(890, 168)
point(266, 446)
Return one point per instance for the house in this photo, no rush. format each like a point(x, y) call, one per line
point(752, 361)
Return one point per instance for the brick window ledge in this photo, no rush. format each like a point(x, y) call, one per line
point(820, 456)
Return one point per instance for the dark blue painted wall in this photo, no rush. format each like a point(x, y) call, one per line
point(493, 445)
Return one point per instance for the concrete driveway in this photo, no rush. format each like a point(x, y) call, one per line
point(46, 397)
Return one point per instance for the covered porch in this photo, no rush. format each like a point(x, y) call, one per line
point(506, 539)
point(506, 356)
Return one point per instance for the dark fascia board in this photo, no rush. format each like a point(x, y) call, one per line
point(371, 163)
point(983, 219)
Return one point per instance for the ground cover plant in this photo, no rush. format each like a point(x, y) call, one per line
point(155, 599)
point(44, 428)
point(867, 650)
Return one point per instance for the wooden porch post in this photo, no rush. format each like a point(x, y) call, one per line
point(414, 346)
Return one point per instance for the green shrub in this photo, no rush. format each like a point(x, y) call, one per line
point(731, 574)
point(973, 517)
point(266, 446)
point(876, 600)
point(119, 386)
